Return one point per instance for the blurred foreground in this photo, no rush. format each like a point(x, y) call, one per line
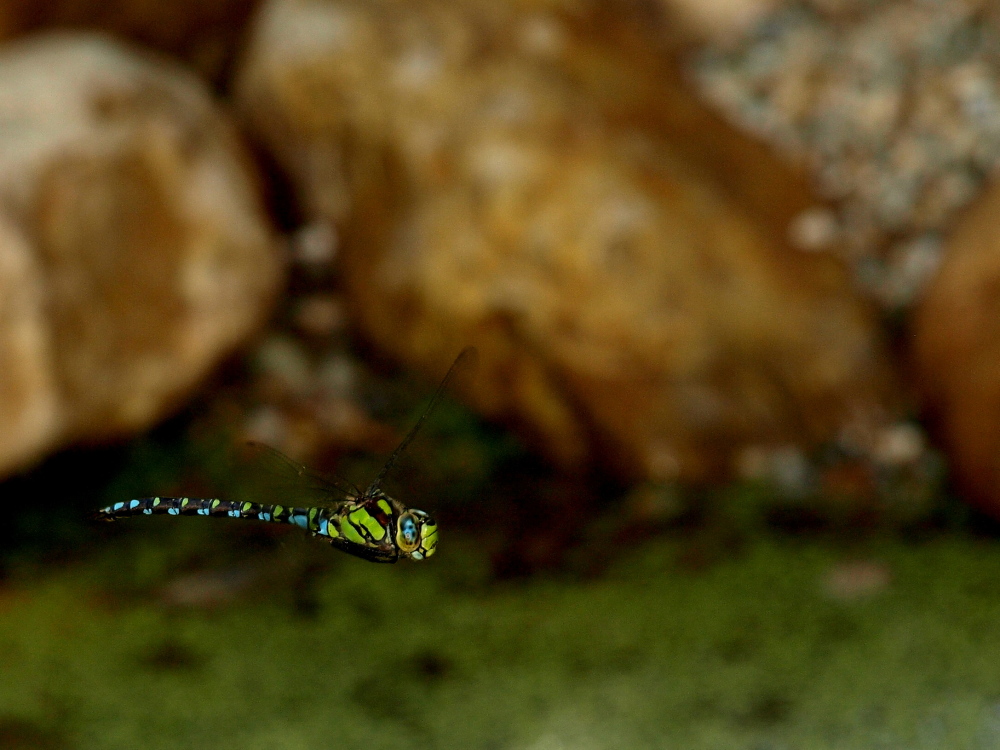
point(725, 621)
point(767, 648)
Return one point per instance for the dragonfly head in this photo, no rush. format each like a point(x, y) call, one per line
point(416, 534)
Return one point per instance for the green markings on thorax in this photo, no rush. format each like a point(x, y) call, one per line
point(349, 531)
point(363, 518)
point(361, 527)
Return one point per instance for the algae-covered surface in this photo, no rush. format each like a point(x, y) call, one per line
point(750, 652)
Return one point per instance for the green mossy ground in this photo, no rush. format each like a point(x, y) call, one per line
point(717, 633)
point(746, 653)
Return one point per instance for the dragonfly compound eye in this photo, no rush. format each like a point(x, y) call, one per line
point(408, 531)
point(416, 534)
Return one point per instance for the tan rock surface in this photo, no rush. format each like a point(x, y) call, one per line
point(531, 178)
point(203, 33)
point(716, 20)
point(956, 344)
point(134, 250)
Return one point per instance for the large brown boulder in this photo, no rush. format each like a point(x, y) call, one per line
point(956, 344)
point(532, 178)
point(134, 250)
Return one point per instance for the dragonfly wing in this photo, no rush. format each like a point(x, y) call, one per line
point(296, 484)
point(467, 356)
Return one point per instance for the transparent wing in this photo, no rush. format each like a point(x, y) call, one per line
point(466, 356)
point(294, 483)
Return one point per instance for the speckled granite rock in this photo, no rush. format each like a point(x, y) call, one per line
point(532, 178)
point(893, 105)
point(957, 351)
point(134, 251)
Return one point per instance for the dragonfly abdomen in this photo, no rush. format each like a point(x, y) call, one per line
point(348, 529)
point(313, 519)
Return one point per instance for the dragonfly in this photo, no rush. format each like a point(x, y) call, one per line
point(369, 524)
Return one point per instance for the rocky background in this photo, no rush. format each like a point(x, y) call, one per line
point(724, 472)
point(693, 242)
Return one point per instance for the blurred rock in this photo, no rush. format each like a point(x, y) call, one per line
point(535, 180)
point(29, 408)
point(957, 351)
point(320, 315)
point(314, 246)
point(203, 33)
point(209, 589)
point(900, 444)
point(718, 21)
point(857, 580)
point(134, 251)
point(814, 229)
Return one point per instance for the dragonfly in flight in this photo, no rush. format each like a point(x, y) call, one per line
point(369, 524)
